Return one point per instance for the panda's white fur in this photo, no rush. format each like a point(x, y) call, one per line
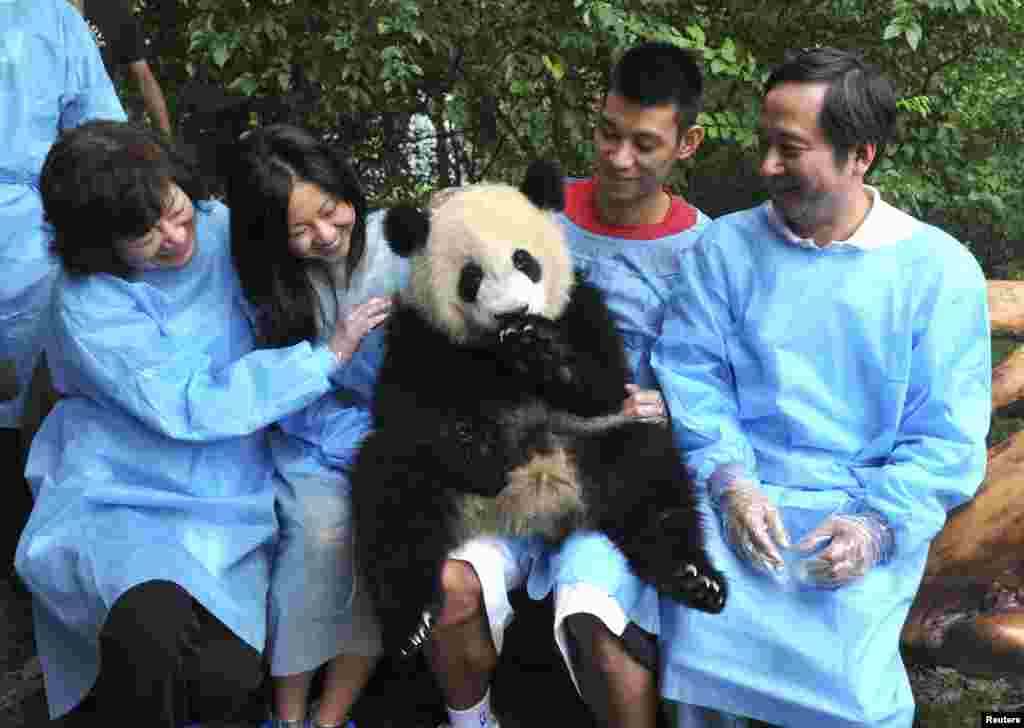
point(473, 225)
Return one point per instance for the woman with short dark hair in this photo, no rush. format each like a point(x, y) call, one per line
point(148, 549)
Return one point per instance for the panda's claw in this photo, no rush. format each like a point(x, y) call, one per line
point(532, 346)
point(419, 637)
point(700, 588)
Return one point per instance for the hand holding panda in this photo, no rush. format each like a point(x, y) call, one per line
point(497, 411)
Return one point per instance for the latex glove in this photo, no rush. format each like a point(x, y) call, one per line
point(857, 543)
point(362, 319)
point(753, 525)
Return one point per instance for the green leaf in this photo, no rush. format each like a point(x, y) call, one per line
point(893, 30)
point(697, 33)
point(246, 83)
point(220, 54)
point(729, 50)
point(554, 65)
point(913, 34)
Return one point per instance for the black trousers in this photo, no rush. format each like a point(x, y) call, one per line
point(17, 496)
point(166, 661)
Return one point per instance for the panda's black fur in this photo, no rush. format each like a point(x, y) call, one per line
point(511, 427)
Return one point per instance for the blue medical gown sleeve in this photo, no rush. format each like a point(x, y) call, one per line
point(334, 426)
point(118, 355)
point(88, 90)
point(939, 456)
point(690, 360)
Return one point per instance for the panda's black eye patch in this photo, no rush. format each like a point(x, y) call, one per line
point(469, 282)
point(526, 263)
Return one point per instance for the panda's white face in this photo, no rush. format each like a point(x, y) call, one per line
point(491, 289)
point(490, 253)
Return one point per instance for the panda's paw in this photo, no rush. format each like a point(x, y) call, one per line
point(533, 346)
point(420, 636)
point(702, 588)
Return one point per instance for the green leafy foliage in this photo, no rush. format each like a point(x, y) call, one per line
point(497, 84)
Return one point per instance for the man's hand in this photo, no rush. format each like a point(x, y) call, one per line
point(857, 543)
point(753, 525)
point(643, 403)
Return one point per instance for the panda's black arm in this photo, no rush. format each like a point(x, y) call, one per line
point(444, 405)
point(598, 359)
point(466, 445)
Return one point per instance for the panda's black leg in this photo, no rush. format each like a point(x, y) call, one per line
point(640, 495)
point(405, 526)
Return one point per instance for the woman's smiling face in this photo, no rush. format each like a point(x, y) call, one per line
point(172, 240)
point(319, 225)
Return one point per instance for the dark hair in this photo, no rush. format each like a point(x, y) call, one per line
point(267, 164)
point(860, 104)
point(107, 181)
point(655, 73)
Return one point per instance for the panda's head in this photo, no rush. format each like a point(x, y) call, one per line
point(487, 251)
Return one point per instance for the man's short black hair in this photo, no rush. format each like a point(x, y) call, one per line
point(655, 73)
point(860, 104)
point(108, 181)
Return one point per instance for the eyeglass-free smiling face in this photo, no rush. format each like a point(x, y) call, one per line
point(319, 225)
point(170, 243)
point(820, 196)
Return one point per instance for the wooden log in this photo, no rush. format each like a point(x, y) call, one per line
point(1008, 380)
point(1006, 306)
point(986, 645)
point(976, 557)
point(990, 644)
point(983, 540)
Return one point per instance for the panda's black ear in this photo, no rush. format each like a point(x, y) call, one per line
point(544, 185)
point(406, 229)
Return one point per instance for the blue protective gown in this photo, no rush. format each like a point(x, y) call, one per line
point(155, 464)
point(852, 376)
point(316, 608)
point(635, 267)
point(51, 78)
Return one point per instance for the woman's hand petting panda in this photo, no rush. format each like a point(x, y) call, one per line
point(533, 346)
point(362, 319)
point(644, 404)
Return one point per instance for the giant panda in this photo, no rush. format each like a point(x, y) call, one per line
point(497, 411)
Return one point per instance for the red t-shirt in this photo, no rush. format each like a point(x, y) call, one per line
point(581, 208)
